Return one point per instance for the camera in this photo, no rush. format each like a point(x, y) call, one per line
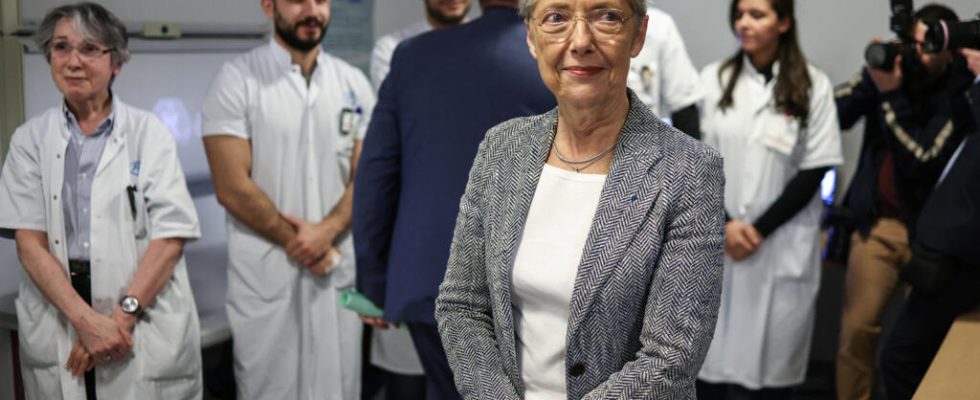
point(942, 36)
point(882, 55)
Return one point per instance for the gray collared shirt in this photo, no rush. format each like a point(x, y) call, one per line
point(81, 160)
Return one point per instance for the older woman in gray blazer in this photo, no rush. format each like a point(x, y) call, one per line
point(587, 256)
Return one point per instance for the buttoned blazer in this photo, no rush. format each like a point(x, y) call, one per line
point(647, 291)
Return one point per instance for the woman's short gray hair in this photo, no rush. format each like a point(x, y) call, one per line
point(639, 7)
point(93, 22)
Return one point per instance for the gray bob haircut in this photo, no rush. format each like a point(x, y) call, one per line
point(93, 22)
point(526, 7)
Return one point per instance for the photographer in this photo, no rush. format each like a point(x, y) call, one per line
point(915, 116)
point(945, 267)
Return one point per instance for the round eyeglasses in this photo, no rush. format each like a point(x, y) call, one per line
point(605, 23)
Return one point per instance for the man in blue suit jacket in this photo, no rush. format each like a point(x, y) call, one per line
point(446, 88)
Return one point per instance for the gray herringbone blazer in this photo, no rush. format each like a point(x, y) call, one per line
point(647, 291)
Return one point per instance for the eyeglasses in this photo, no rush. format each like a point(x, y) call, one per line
point(86, 51)
point(605, 23)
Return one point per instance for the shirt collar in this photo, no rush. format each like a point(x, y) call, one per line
point(105, 127)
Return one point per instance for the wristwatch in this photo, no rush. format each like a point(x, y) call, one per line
point(131, 305)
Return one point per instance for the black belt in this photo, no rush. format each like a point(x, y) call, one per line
point(81, 281)
point(79, 268)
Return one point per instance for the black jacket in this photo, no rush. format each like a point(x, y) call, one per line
point(922, 136)
point(950, 221)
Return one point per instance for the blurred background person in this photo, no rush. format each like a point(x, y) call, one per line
point(439, 14)
point(915, 116)
point(282, 128)
point(586, 261)
point(94, 194)
point(771, 116)
point(391, 350)
point(446, 88)
point(663, 76)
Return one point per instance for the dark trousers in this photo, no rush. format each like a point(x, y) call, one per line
point(81, 281)
point(920, 330)
point(729, 391)
point(396, 386)
point(439, 383)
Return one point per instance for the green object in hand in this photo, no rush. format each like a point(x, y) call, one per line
point(356, 302)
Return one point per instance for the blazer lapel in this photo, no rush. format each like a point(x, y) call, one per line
point(531, 154)
point(628, 196)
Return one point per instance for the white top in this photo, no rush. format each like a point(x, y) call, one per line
point(302, 135)
point(662, 75)
point(765, 322)
point(545, 267)
point(384, 48)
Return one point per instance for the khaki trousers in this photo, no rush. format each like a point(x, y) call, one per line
point(871, 279)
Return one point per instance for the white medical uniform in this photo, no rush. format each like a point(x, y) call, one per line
point(762, 338)
point(662, 75)
point(292, 338)
point(392, 349)
point(165, 362)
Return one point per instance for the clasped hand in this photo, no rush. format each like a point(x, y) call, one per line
point(312, 247)
point(742, 240)
point(101, 340)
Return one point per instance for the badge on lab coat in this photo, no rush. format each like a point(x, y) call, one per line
point(350, 118)
point(781, 134)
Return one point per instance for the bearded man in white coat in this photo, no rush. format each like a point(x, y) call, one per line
point(283, 125)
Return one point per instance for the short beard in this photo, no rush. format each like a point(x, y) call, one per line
point(292, 40)
point(443, 19)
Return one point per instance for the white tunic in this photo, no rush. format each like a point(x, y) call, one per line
point(662, 75)
point(762, 338)
point(165, 362)
point(545, 267)
point(292, 339)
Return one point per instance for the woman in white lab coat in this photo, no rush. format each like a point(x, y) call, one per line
point(93, 192)
point(772, 117)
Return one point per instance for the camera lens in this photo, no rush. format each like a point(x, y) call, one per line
point(881, 56)
point(936, 38)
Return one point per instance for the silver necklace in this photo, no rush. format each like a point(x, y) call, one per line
point(579, 165)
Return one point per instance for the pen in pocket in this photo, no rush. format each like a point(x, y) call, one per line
point(131, 195)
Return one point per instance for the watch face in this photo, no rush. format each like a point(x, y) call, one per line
point(130, 304)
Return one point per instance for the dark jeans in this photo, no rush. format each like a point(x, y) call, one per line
point(920, 330)
point(81, 281)
point(729, 391)
point(438, 376)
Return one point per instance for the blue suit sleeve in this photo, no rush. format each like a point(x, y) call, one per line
point(376, 190)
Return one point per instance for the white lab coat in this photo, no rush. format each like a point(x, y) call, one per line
point(762, 338)
point(165, 362)
point(662, 75)
point(292, 338)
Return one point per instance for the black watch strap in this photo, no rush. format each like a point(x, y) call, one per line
point(127, 304)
